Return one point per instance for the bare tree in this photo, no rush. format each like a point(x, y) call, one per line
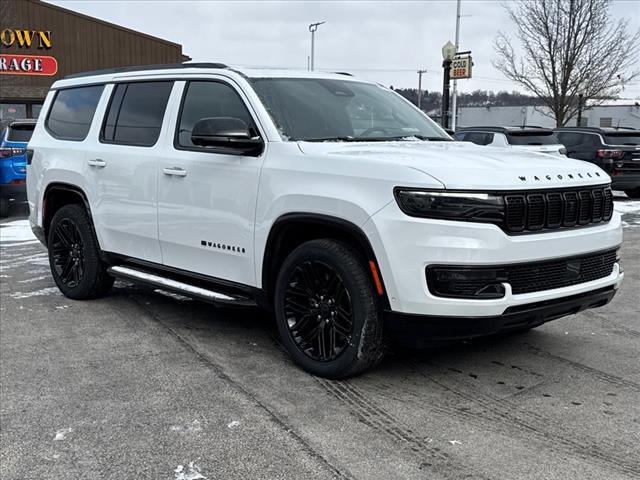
point(569, 47)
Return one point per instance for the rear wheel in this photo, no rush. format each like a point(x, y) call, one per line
point(633, 193)
point(328, 315)
point(74, 255)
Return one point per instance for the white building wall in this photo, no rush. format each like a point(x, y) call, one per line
point(604, 115)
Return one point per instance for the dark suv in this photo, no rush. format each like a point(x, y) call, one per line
point(615, 150)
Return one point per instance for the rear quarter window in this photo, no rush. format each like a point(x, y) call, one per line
point(72, 112)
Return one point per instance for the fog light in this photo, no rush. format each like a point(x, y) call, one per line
point(461, 282)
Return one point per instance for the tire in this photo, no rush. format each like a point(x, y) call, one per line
point(4, 207)
point(74, 255)
point(328, 315)
point(633, 193)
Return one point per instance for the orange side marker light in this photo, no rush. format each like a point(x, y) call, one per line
point(376, 277)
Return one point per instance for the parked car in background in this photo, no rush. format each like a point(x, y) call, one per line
point(615, 150)
point(13, 162)
point(530, 138)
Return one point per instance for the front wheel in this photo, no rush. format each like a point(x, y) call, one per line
point(633, 193)
point(74, 255)
point(328, 315)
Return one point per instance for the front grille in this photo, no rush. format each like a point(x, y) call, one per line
point(486, 281)
point(533, 212)
point(535, 277)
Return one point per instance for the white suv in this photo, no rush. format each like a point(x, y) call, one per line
point(330, 200)
point(531, 139)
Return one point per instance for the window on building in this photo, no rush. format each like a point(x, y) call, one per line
point(36, 108)
point(605, 121)
point(72, 112)
point(11, 111)
point(209, 99)
point(135, 113)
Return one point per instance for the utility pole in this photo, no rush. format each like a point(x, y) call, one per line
point(579, 121)
point(312, 28)
point(454, 102)
point(420, 72)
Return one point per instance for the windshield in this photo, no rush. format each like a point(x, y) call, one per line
point(627, 138)
point(532, 138)
point(314, 109)
point(20, 133)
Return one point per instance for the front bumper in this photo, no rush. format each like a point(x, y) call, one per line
point(421, 330)
point(405, 246)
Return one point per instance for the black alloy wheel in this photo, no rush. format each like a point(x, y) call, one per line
point(74, 255)
point(68, 253)
point(328, 312)
point(318, 310)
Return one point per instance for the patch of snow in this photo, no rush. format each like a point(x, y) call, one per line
point(17, 231)
point(193, 427)
point(37, 293)
point(233, 424)
point(455, 442)
point(191, 473)
point(62, 433)
point(627, 207)
point(34, 279)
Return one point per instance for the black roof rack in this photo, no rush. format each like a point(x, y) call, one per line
point(598, 129)
point(139, 68)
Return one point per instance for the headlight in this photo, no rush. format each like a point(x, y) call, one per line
point(465, 206)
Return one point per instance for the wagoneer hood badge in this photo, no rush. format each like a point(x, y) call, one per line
point(559, 176)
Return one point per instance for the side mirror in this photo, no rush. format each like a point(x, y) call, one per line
point(227, 133)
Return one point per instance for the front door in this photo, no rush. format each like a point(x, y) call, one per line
point(207, 199)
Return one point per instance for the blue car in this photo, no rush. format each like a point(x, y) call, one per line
point(13, 162)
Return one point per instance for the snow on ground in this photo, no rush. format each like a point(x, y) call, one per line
point(17, 231)
point(628, 207)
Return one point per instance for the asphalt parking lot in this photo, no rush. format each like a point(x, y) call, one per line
point(146, 385)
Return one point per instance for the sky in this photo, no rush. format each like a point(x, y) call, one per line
point(383, 41)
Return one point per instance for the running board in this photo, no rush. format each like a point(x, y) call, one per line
point(179, 287)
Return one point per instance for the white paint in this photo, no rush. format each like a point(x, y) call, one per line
point(191, 473)
point(17, 231)
point(37, 293)
point(62, 433)
point(233, 424)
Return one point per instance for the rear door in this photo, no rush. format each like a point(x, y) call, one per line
point(207, 198)
point(122, 167)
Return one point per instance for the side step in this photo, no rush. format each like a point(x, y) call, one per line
point(179, 287)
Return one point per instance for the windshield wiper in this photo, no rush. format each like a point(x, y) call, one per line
point(349, 138)
point(340, 138)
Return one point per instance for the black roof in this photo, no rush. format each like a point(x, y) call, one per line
point(138, 68)
point(505, 129)
point(602, 130)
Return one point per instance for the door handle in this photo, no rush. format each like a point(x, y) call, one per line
point(175, 171)
point(97, 162)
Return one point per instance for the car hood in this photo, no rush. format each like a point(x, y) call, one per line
point(462, 165)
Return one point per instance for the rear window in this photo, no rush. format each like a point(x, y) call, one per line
point(135, 113)
point(20, 133)
point(631, 138)
point(72, 112)
point(532, 138)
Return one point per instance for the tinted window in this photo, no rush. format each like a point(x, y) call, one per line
point(570, 139)
point(36, 108)
point(459, 136)
point(72, 112)
point(479, 138)
point(20, 133)
point(210, 99)
point(135, 113)
point(532, 138)
point(627, 138)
